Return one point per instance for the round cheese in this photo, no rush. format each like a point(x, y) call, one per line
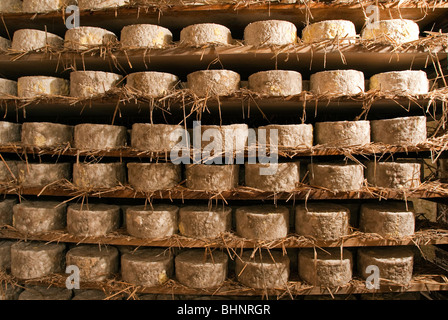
point(38, 175)
point(92, 220)
point(84, 38)
point(89, 136)
point(36, 86)
point(8, 171)
point(147, 267)
point(270, 32)
point(396, 31)
point(34, 217)
point(399, 131)
point(45, 293)
point(274, 177)
point(394, 175)
point(31, 39)
point(10, 6)
point(288, 135)
point(277, 83)
point(33, 6)
point(145, 36)
point(199, 35)
point(148, 177)
point(152, 84)
point(196, 269)
point(322, 221)
point(101, 4)
point(98, 175)
point(337, 82)
point(156, 137)
point(200, 221)
point(88, 84)
point(94, 263)
point(5, 256)
point(214, 178)
point(6, 206)
point(46, 134)
point(8, 88)
point(343, 133)
point(413, 82)
point(151, 222)
point(343, 30)
point(205, 83)
point(30, 260)
point(10, 132)
point(337, 177)
point(227, 140)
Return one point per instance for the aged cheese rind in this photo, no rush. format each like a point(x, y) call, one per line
point(98, 175)
point(35, 86)
point(5, 44)
point(10, 132)
point(94, 263)
point(205, 83)
point(394, 175)
point(196, 269)
point(198, 35)
point(83, 38)
point(270, 32)
point(6, 206)
point(145, 36)
point(8, 88)
point(395, 31)
point(388, 219)
point(288, 136)
point(269, 272)
point(31, 39)
point(227, 140)
point(213, 178)
point(91, 220)
point(151, 83)
point(30, 260)
point(90, 295)
point(33, 217)
point(88, 84)
point(337, 177)
point(156, 137)
point(10, 6)
point(262, 222)
point(89, 136)
point(275, 177)
point(33, 175)
point(9, 171)
point(337, 82)
point(277, 83)
point(9, 291)
point(147, 177)
point(399, 131)
point(152, 222)
point(322, 221)
point(34, 6)
point(46, 134)
point(343, 133)
point(45, 293)
point(101, 4)
point(5, 256)
point(147, 267)
point(203, 222)
point(328, 30)
point(413, 82)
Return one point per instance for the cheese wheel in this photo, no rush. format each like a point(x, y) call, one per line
point(196, 269)
point(215, 178)
point(45, 293)
point(152, 84)
point(33, 6)
point(10, 132)
point(101, 4)
point(9, 292)
point(394, 263)
point(145, 36)
point(327, 268)
point(34, 217)
point(5, 256)
point(343, 30)
point(30, 260)
point(6, 206)
point(151, 222)
point(8, 171)
point(322, 221)
point(5, 44)
point(394, 175)
point(227, 140)
point(337, 177)
point(8, 88)
point(37, 175)
point(288, 135)
point(148, 177)
point(147, 267)
point(88, 84)
point(399, 131)
point(156, 137)
point(10, 6)
point(270, 32)
point(36, 86)
point(92, 220)
point(396, 31)
point(276, 83)
point(98, 175)
point(89, 295)
point(343, 133)
point(89, 136)
point(388, 219)
point(198, 35)
point(205, 83)
point(46, 134)
point(274, 177)
point(84, 38)
point(200, 221)
point(337, 82)
point(94, 263)
point(270, 271)
point(262, 222)
point(31, 39)
point(413, 82)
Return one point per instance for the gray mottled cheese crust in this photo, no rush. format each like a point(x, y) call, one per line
point(147, 267)
point(147, 177)
point(399, 131)
point(9, 171)
point(328, 30)
point(88, 136)
point(90, 295)
point(322, 221)
point(30, 260)
point(326, 269)
point(195, 269)
point(5, 44)
point(83, 38)
point(34, 175)
point(288, 136)
point(279, 83)
point(203, 222)
point(10, 6)
point(263, 272)
point(342, 133)
point(198, 35)
point(87, 84)
point(223, 140)
point(45, 293)
point(390, 219)
point(337, 82)
point(101, 4)
point(262, 222)
point(98, 175)
point(205, 83)
point(152, 84)
point(274, 177)
point(10, 292)
point(6, 207)
point(145, 36)
point(391, 31)
point(91, 220)
point(394, 263)
point(270, 32)
point(35, 86)
point(155, 137)
point(5, 256)
point(413, 82)
point(10, 132)
point(337, 177)
point(213, 178)
point(152, 222)
point(33, 6)
point(35, 217)
point(394, 174)
point(46, 134)
point(8, 88)
point(31, 39)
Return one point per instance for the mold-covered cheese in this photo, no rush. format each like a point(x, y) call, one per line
point(91, 220)
point(336, 176)
point(214, 178)
point(396, 31)
point(83, 38)
point(145, 36)
point(46, 134)
point(412, 82)
point(206, 83)
point(10, 132)
point(399, 131)
point(274, 177)
point(31, 39)
point(33, 217)
point(152, 222)
point(337, 82)
point(276, 83)
point(98, 175)
point(270, 32)
point(344, 30)
point(148, 177)
point(394, 174)
point(200, 221)
point(87, 84)
point(34, 6)
point(89, 136)
point(37, 175)
point(343, 133)
point(151, 83)
point(198, 35)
